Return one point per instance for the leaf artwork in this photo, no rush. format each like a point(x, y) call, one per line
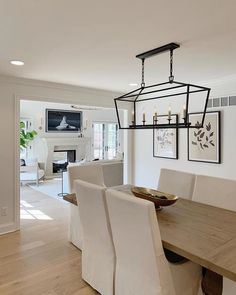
point(165, 137)
point(198, 125)
point(208, 126)
point(203, 136)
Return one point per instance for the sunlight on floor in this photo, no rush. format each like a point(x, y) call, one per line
point(25, 204)
point(26, 213)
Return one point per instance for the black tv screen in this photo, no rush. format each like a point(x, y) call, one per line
point(63, 121)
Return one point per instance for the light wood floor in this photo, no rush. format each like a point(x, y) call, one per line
point(39, 260)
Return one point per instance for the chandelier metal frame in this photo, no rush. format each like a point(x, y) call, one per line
point(138, 95)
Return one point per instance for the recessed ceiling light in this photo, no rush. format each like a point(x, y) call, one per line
point(17, 62)
point(133, 84)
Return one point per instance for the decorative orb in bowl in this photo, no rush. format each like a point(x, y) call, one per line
point(160, 199)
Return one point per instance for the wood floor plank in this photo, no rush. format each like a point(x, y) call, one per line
point(39, 259)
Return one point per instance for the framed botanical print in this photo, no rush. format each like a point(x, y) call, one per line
point(165, 140)
point(204, 144)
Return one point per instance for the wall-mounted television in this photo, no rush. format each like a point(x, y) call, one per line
point(63, 121)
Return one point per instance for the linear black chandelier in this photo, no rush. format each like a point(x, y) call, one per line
point(136, 100)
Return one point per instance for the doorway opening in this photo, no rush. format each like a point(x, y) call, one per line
point(45, 158)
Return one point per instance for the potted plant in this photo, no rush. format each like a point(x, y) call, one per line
point(26, 136)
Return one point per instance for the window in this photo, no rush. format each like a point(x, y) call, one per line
point(105, 140)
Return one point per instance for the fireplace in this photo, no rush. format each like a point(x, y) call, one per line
point(61, 158)
point(81, 146)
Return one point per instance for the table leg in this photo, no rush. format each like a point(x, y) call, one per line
point(212, 283)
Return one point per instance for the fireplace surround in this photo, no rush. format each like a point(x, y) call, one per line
point(52, 145)
point(61, 159)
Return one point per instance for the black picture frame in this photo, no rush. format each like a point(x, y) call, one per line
point(205, 133)
point(176, 130)
point(54, 121)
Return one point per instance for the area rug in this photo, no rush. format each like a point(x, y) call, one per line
point(51, 187)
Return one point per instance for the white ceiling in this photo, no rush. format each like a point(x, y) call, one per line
point(93, 43)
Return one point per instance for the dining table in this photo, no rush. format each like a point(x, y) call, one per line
point(201, 233)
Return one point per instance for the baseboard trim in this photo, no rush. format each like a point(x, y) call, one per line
point(8, 228)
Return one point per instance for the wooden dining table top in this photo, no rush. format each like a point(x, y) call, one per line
point(201, 233)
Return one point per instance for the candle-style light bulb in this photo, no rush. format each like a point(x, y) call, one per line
point(155, 114)
point(133, 116)
point(169, 113)
point(184, 112)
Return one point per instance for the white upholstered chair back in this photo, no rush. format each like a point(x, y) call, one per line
point(113, 174)
point(176, 182)
point(98, 256)
point(141, 266)
point(218, 192)
point(89, 173)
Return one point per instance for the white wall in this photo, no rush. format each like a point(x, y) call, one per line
point(146, 168)
point(35, 112)
point(10, 89)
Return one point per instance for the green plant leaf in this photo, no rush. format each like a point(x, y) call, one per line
point(26, 137)
point(22, 125)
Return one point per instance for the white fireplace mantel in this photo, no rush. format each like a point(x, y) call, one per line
point(81, 145)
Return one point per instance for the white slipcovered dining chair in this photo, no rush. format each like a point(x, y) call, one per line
point(98, 255)
point(176, 182)
point(89, 173)
point(141, 265)
point(86, 172)
point(218, 192)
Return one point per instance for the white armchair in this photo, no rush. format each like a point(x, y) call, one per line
point(32, 172)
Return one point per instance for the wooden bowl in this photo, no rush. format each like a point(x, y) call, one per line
point(160, 199)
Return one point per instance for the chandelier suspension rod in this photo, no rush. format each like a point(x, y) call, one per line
point(171, 78)
point(168, 47)
point(143, 82)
